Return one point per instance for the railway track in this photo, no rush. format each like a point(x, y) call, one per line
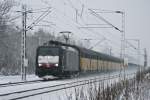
point(24, 82)
point(19, 83)
point(47, 89)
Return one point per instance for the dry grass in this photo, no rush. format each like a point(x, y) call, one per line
point(124, 89)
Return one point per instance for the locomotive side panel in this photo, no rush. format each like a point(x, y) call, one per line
point(71, 61)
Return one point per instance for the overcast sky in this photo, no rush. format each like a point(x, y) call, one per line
point(137, 18)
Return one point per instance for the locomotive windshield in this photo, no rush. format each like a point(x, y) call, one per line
point(48, 56)
point(48, 59)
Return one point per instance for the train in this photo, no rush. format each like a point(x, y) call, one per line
point(59, 59)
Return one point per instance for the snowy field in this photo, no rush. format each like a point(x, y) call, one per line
point(63, 94)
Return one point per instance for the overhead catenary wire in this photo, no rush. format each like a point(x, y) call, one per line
point(100, 17)
point(41, 17)
point(44, 14)
point(30, 11)
point(34, 10)
point(39, 9)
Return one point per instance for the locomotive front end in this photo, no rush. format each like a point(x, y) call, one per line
point(48, 61)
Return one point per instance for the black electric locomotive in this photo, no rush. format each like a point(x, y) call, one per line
point(57, 60)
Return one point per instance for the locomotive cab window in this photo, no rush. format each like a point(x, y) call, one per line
point(48, 57)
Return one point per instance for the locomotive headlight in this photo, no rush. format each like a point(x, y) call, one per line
point(56, 65)
point(40, 65)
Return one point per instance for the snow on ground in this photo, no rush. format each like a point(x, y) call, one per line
point(16, 78)
point(64, 94)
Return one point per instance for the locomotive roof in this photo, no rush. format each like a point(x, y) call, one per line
point(87, 52)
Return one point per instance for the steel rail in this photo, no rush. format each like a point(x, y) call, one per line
point(19, 83)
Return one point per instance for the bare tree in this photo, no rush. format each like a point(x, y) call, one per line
point(5, 7)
